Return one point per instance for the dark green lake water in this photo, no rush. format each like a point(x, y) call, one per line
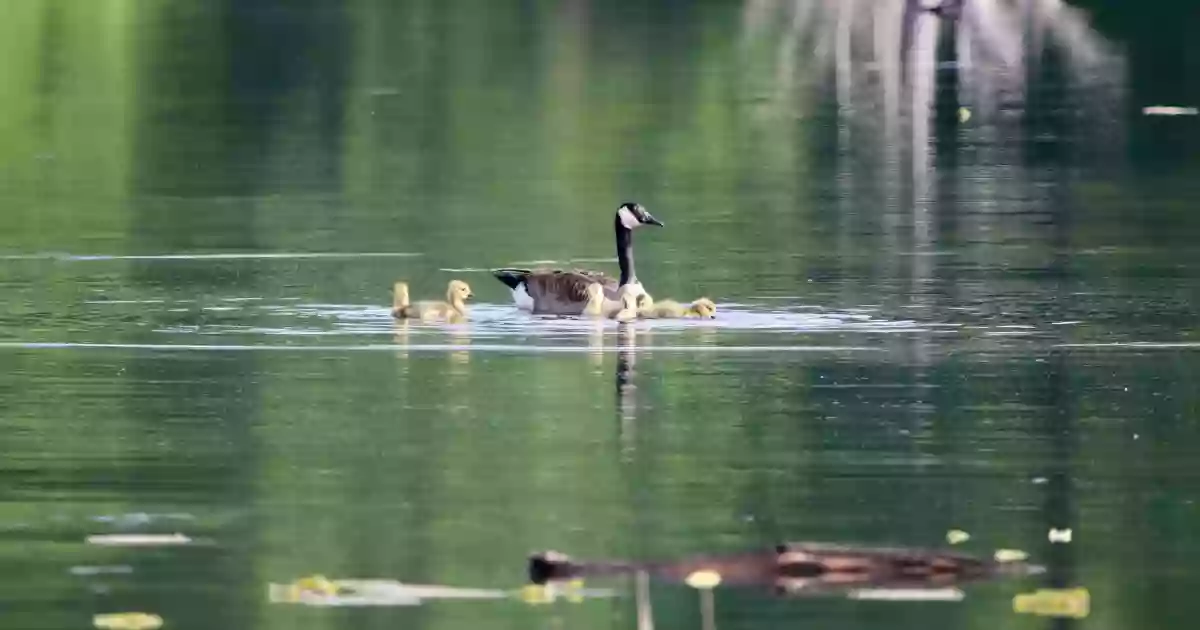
point(957, 274)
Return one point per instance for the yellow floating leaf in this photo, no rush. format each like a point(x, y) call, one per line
point(317, 584)
point(127, 621)
point(1010, 555)
point(1074, 603)
point(964, 114)
point(1059, 535)
point(703, 579)
point(957, 536)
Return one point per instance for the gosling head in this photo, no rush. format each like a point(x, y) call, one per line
point(458, 291)
point(705, 308)
point(632, 215)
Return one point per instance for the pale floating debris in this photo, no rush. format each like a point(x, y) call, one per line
point(1059, 535)
point(127, 621)
point(703, 579)
point(1169, 110)
point(1010, 555)
point(115, 569)
point(1074, 603)
point(957, 536)
point(317, 590)
point(964, 114)
point(1037, 481)
point(908, 594)
point(138, 540)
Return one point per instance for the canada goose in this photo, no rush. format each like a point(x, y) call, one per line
point(564, 292)
point(453, 309)
point(703, 308)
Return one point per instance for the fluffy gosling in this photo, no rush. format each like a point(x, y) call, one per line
point(702, 308)
point(595, 302)
point(600, 306)
point(629, 305)
point(453, 309)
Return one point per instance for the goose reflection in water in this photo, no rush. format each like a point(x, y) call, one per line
point(805, 569)
point(400, 336)
point(459, 336)
point(626, 388)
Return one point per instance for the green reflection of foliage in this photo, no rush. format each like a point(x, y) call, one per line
point(67, 82)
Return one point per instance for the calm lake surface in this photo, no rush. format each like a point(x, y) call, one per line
point(956, 269)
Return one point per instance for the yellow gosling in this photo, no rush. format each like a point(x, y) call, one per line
point(629, 306)
point(453, 309)
point(595, 301)
point(702, 308)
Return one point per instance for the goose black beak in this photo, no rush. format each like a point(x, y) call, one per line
point(649, 219)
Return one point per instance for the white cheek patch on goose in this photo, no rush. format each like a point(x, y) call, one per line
point(628, 219)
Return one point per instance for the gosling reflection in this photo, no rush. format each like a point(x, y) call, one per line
point(460, 349)
point(641, 596)
point(596, 328)
point(626, 388)
point(400, 336)
point(458, 338)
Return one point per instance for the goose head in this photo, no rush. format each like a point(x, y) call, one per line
point(705, 308)
point(633, 215)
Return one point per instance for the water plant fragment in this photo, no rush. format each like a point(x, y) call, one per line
point(1074, 603)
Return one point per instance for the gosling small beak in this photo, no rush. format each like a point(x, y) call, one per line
point(470, 295)
point(650, 220)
